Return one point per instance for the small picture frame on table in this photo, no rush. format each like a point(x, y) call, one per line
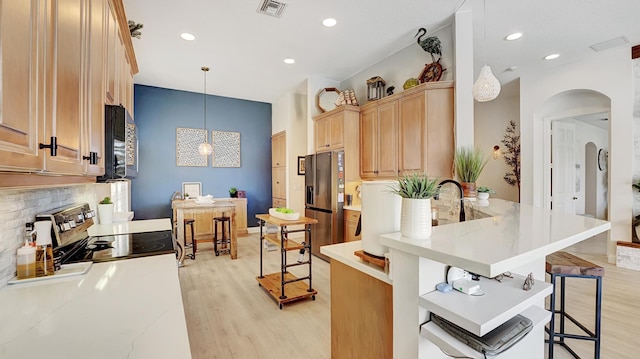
point(193, 189)
point(301, 166)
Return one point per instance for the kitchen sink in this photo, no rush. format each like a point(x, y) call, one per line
point(447, 217)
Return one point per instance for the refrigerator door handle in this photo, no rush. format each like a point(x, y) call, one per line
point(309, 194)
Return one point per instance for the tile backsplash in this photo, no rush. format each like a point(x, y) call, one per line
point(19, 206)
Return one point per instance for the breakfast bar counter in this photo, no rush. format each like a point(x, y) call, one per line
point(120, 309)
point(203, 214)
point(513, 238)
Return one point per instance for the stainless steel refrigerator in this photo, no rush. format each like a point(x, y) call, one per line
point(324, 185)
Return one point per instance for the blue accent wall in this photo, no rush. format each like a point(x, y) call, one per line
point(159, 111)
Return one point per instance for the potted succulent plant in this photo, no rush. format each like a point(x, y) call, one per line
point(469, 163)
point(105, 211)
point(483, 192)
point(233, 192)
point(416, 190)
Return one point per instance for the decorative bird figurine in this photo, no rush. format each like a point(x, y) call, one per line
point(431, 44)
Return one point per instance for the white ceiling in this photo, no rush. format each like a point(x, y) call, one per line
point(245, 49)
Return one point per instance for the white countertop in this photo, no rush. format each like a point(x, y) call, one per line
point(148, 225)
point(343, 252)
point(353, 208)
point(516, 234)
point(120, 309)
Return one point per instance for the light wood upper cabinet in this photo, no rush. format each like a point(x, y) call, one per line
point(64, 63)
point(368, 142)
point(329, 128)
point(387, 139)
point(111, 55)
point(124, 73)
point(278, 150)
point(409, 132)
point(379, 140)
point(20, 36)
point(117, 62)
point(55, 59)
point(426, 133)
point(339, 129)
point(322, 131)
point(94, 131)
point(440, 136)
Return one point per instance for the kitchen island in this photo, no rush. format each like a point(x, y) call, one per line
point(118, 309)
point(515, 238)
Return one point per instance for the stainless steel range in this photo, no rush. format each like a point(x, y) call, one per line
point(71, 240)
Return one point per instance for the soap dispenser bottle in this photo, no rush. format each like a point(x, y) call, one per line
point(44, 249)
point(26, 262)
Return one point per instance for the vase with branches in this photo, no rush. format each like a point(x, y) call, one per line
point(511, 141)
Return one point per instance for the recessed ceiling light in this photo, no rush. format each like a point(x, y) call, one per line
point(552, 56)
point(512, 68)
point(329, 22)
point(187, 36)
point(514, 36)
point(289, 61)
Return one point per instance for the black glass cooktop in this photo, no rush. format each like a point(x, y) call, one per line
point(120, 246)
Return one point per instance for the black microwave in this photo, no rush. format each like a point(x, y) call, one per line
point(121, 144)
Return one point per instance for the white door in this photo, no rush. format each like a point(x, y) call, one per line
point(563, 167)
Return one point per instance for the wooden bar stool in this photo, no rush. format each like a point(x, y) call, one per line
point(194, 244)
point(225, 240)
point(566, 265)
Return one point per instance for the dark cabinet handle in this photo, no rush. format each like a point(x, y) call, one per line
point(53, 146)
point(92, 158)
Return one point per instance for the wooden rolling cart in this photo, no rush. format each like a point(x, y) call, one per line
point(275, 283)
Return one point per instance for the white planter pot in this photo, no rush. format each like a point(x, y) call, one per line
point(415, 220)
point(105, 213)
point(483, 195)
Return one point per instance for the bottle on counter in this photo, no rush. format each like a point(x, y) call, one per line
point(26, 262)
point(44, 249)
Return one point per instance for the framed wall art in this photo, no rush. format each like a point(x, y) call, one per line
point(193, 189)
point(226, 149)
point(301, 166)
point(187, 142)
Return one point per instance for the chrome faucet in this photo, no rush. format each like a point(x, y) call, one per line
point(437, 195)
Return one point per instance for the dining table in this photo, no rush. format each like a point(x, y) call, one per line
point(203, 212)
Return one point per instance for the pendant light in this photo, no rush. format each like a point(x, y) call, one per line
point(205, 148)
point(487, 86)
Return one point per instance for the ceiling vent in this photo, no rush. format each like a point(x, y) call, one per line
point(272, 7)
point(609, 44)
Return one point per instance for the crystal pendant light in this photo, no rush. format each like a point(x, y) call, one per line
point(205, 148)
point(487, 86)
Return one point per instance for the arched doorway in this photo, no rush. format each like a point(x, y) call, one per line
point(586, 113)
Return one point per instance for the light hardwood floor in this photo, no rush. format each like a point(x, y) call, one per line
point(230, 316)
point(620, 305)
